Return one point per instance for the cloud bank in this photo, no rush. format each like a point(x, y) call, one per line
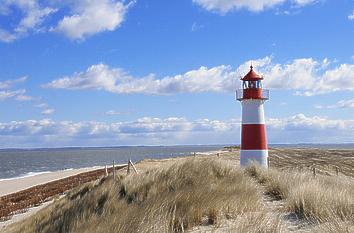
point(169, 131)
point(116, 80)
point(306, 76)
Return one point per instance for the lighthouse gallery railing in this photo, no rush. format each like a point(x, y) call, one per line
point(240, 94)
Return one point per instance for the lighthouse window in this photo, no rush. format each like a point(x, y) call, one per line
point(252, 84)
point(258, 84)
point(244, 85)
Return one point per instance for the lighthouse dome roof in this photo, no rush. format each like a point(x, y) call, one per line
point(252, 76)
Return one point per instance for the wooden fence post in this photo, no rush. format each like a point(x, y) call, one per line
point(106, 171)
point(337, 170)
point(128, 169)
point(133, 166)
point(314, 171)
point(114, 170)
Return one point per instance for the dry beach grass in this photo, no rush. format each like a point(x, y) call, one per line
point(211, 194)
point(322, 202)
point(173, 199)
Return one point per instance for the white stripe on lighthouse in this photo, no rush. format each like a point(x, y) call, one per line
point(252, 111)
point(258, 156)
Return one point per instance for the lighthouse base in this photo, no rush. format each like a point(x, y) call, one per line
point(248, 157)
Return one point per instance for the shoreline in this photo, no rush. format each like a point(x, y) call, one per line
point(20, 185)
point(31, 210)
point(34, 174)
point(31, 197)
point(17, 184)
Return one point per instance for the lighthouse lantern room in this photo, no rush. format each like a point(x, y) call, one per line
point(252, 96)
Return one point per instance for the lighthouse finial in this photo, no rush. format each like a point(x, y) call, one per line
point(251, 65)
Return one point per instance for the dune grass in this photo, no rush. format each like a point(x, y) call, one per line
point(201, 192)
point(172, 199)
point(320, 199)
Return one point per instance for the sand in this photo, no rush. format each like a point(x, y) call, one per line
point(15, 185)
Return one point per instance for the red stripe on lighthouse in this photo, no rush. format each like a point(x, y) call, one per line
point(253, 137)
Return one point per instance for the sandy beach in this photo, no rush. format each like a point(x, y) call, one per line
point(19, 191)
point(14, 185)
point(18, 184)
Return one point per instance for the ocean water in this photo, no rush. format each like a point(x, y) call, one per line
point(16, 163)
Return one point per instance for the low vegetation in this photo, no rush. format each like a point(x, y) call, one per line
point(174, 199)
point(326, 202)
point(209, 194)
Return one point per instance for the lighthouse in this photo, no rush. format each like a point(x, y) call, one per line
point(252, 96)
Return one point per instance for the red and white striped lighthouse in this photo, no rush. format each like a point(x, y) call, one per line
point(254, 146)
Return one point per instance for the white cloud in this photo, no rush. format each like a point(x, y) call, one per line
point(302, 122)
point(224, 6)
point(6, 36)
point(351, 16)
point(41, 105)
point(172, 131)
point(91, 17)
point(339, 104)
point(299, 74)
point(196, 27)
point(48, 111)
point(113, 113)
point(102, 77)
point(337, 79)
point(81, 18)
point(7, 94)
point(33, 15)
point(306, 76)
point(304, 2)
point(23, 97)
point(345, 104)
point(10, 83)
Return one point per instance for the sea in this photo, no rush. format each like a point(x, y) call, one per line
point(17, 163)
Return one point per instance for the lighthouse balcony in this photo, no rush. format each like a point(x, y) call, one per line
point(252, 93)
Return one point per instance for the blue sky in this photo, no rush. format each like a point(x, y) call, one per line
point(96, 73)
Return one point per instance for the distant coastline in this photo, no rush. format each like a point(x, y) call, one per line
point(283, 145)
